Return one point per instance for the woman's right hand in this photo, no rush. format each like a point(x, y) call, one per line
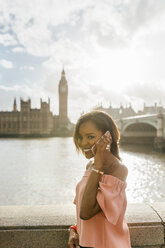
point(73, 239)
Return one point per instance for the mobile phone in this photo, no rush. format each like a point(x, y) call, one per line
point(93, 148)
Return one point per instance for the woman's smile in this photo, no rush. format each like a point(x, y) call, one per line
point(88, 135)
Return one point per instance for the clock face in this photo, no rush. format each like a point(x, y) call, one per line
point(63, 88)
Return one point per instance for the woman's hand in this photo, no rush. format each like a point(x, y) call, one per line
point(102, 151)
point(73, 239)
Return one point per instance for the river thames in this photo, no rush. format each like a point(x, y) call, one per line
point(46, 170)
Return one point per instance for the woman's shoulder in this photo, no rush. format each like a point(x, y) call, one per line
point(118, 169)
point(121, 172)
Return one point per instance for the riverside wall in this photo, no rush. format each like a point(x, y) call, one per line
point(46, 226)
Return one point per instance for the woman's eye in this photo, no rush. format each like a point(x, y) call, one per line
point(90, 137)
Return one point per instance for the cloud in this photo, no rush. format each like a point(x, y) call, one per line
point(109, 24)
point(150, 42)
point(148, 92)
point(33, 32)
point(142, 14)
point(68, 54)
point(25, 67)
point(25, 89)
point(6, 64)
point(7, 40)
point(18, 49)
point(103, 45)
point(7, 94)
point(7, 89)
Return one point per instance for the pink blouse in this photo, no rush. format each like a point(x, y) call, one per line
point(108, 228)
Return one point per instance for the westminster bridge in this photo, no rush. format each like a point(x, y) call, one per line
point(146, 129)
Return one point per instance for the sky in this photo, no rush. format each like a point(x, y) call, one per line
point(112, 51)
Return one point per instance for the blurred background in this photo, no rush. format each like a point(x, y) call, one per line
point(110, 55)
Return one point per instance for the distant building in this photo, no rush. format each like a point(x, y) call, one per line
point(152, 109)
point(38, 122)
point(118, 113)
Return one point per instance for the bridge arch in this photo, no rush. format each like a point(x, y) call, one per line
point(138, 133)
point(125, 126)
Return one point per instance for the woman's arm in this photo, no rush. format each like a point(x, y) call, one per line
point(103, 161)
point(73, 239)
point(89, 205)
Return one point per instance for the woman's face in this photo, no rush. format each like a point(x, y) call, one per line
point(88, 135)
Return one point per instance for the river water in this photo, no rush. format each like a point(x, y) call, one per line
point(46, 170)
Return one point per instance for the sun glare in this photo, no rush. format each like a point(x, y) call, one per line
point(116, 69)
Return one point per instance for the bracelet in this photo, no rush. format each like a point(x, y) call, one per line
point(98, 171)
point(73, 227)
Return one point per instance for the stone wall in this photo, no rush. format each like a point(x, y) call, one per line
point(46, 226)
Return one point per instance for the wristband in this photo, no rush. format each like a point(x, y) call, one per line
point(73, 227)
point(98, 171)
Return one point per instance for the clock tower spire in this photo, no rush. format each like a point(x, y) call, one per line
point(63, 99)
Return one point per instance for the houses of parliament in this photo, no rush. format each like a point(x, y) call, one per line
point(41, 122)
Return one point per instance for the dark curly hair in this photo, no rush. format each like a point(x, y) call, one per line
point(104, 122)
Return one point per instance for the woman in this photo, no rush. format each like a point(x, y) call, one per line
point(100, 195)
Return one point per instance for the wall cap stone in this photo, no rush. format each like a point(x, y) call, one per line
point(50, 222)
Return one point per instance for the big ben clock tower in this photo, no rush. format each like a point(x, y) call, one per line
point(63, 99)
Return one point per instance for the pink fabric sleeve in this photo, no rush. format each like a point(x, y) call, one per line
point(110, 197)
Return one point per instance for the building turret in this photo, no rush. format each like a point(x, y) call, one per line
point(25, 105)
point(15, 105)
point(45, 107)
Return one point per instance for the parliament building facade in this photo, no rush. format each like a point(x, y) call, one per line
point(41, 122)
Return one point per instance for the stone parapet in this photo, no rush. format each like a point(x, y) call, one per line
point(45, 226)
